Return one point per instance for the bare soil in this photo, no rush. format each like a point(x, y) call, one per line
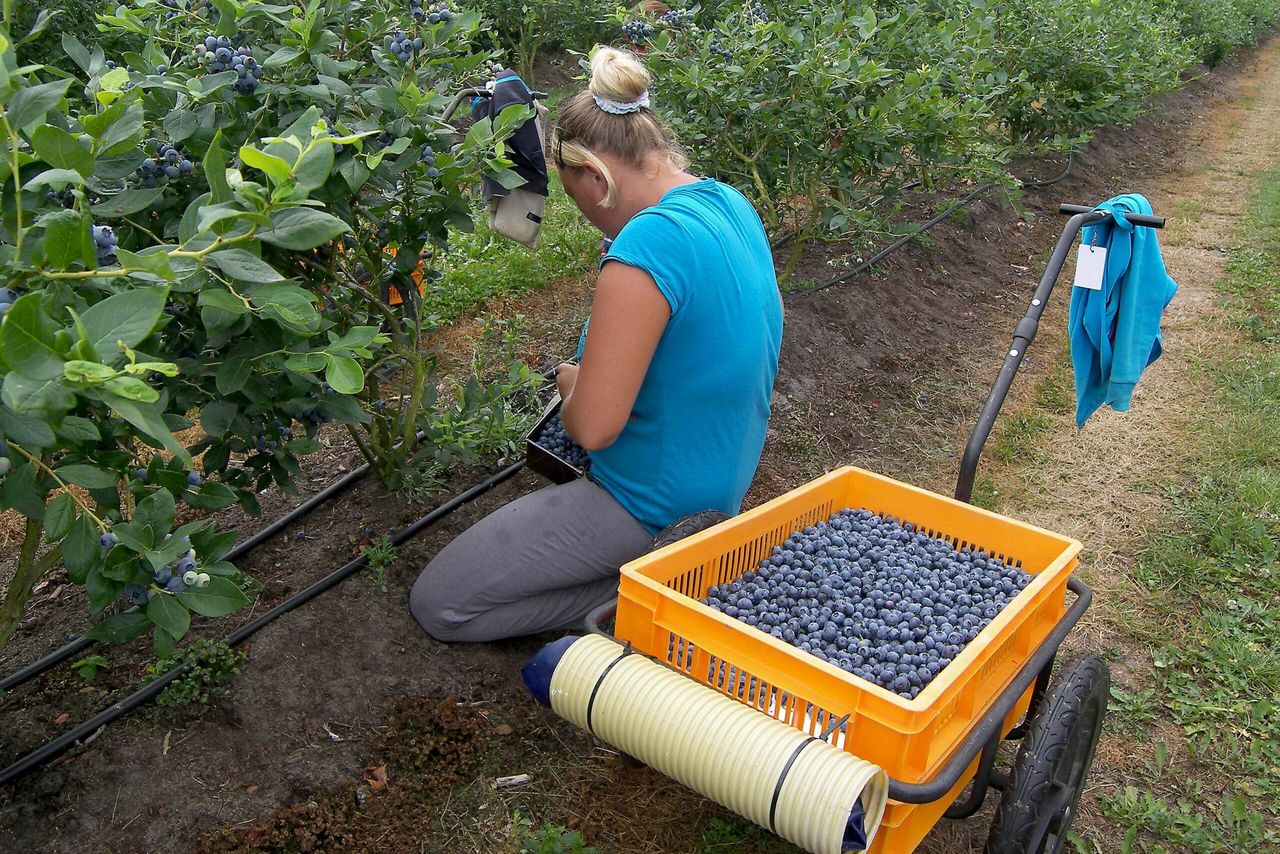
point(884, 372)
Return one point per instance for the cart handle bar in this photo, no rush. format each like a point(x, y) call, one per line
point(1025, 333)
point(988, 728)
point(1136, 219)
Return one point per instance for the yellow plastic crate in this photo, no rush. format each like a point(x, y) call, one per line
point(659, 614)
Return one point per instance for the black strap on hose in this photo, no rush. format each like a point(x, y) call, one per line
point(591, 701)
point(777, 790)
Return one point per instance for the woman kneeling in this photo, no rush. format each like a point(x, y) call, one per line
point(671, 397)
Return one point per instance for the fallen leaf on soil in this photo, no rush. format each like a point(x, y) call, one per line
point(376, 777)
point(62, 718)
point(252, 789)
point(503, 729)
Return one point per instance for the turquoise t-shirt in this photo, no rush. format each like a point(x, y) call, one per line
point(695, 434)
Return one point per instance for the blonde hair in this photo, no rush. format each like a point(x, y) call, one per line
point(585, 130)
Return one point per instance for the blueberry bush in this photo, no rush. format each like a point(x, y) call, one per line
point(525, 30)
point(803, 109)
point(824, 114)
point(1216, 29)
point(198, 233)
point(873, 596)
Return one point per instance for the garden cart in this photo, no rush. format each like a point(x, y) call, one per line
point(932, 748)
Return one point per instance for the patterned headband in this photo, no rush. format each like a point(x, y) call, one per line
point(621, 108)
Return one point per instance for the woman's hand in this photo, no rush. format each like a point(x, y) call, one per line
point(566, 376)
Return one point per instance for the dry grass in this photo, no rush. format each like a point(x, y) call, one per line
point(1100, 484)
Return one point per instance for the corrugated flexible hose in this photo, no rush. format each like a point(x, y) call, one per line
point(814, 795)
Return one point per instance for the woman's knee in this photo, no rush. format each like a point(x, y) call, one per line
point(436, 605)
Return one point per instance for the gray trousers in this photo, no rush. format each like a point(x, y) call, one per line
point(542, 562)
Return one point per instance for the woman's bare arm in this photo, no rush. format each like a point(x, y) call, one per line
point(628, 317)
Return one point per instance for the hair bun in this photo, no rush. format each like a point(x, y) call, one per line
point(617, 75)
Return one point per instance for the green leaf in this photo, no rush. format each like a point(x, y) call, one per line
point(90, 477)
point(306, 363)
point(100, 589)
point(138, 369)
point(68, 241)
point(180, 124)
point(81, 550)
point(165, 612)
point(149, 421)
point(55, 178)
point(303, 446)
point(216, 417)
point(127, 203)
point(220, 598)
point(88, 373)
point(20, 491)
point(344, 374)
point(23, 394)
point(162, 643)
point(223, 301)
point(125, 131)
point(76, 429)
point(290, 304)
point(26, 340)
point(156, 263)
point(59, 515)
point(30, 431)
point(282, 57)
point(33, 101)
point(276, 168)
point(313, 167)
point(232, 375)
point(127, 317)
point(215, 171)
point(157, 512)
point(78, 52)
point(114, 80)
point(508, 178)
point(132, 388)
point(59, 148)
point(303, 228)
point(113, 167)
point(121, 628)
point(137, 538)
point(212, 496)
point(245, 266)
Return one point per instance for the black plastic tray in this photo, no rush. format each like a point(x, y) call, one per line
point(545, 463)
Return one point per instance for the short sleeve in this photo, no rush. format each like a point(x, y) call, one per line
point(655, 244)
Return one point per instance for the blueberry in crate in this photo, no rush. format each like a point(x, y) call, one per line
point(873, 596)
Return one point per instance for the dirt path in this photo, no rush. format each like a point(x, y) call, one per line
point(1100, 484)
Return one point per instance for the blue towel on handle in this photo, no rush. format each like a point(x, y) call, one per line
point(1115, 331)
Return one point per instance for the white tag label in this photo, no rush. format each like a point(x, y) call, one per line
point(1091, 261)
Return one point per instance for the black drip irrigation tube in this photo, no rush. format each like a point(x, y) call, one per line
point(81, 644)
point(339, 486)
point(921, 229)
point(84, 733)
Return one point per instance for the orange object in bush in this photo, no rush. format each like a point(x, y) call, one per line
point(659, 613)
point(394, 296)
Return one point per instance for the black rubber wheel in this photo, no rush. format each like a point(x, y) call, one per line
point(1048, 775)
point(687, 526)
